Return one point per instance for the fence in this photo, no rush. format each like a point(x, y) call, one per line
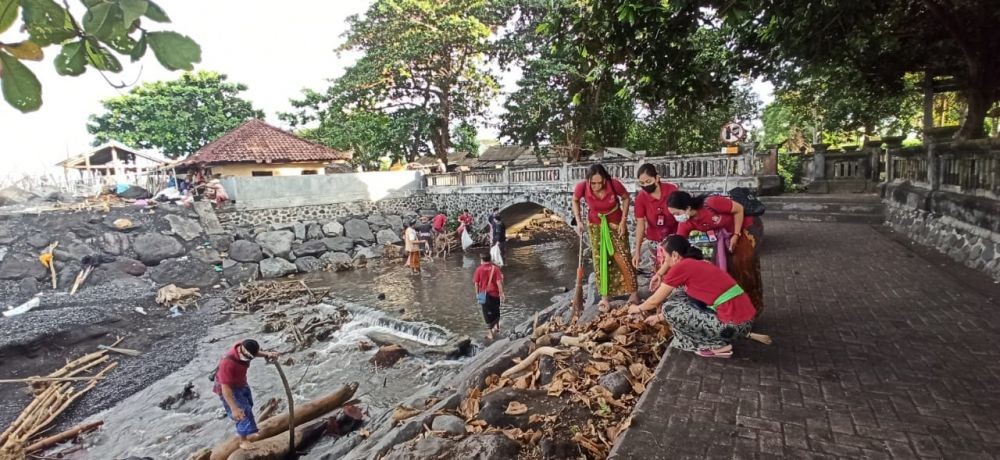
point(970, 168)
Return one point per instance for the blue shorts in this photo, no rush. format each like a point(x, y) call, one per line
point(244, 400)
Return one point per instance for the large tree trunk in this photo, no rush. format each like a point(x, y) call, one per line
point(979, 96)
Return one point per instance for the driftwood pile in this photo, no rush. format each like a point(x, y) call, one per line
point(583, 395)
point(255, 296)
point(304, 327)
point(54, 393)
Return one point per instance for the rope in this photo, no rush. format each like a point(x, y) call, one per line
point(291, 407)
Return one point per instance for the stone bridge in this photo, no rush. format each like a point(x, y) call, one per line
point(520, 192)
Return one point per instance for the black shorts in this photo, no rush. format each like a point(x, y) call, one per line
point(491, 310)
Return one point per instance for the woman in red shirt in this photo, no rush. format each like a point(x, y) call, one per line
point(607, 212)
point(712, 310)
point(725, 217)
point(653, 220)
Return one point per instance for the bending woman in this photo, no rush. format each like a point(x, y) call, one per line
point(607, 211)
point(725, 216)
point(710, 313)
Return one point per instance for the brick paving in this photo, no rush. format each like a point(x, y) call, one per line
point(880, 352)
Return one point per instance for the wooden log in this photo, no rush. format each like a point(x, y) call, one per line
point(124, 351)
point(279, 424)
point(277, 448)
point(71, 433)
point(526, 362)
point(48, 379)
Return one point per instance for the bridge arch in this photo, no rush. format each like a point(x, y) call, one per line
point(517, 208)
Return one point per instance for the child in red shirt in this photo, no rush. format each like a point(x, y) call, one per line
point(488, 281)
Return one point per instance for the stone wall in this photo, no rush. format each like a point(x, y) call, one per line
point(288, 191)
point(965, 227)
point(325, 212)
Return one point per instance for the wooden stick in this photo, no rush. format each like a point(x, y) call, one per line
point(49, 379)
point(526, 362)
point(71, 433)
point(124, 351)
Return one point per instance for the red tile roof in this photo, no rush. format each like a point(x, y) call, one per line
point(259, 142)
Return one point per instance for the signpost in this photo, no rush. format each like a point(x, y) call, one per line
point(730, 135)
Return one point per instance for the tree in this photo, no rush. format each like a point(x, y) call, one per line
point(109, 28)
point(871, 47)
point(417, 57)
point(177, 117)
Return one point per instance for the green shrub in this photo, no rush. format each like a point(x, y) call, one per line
point(790, 170)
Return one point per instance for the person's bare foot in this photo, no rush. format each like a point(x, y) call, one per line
point(762, 338)
point(247, 445)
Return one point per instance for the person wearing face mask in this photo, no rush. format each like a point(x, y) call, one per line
point(607, 213)
point(653, 221)
point(725, 217)
point(234, 391)
point(709, 313)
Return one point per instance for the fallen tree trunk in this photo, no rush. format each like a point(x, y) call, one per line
point(276, 448)
point(64, 436)
point(526, 363)
point(279, 424)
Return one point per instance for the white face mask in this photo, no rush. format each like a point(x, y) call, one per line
point(245, 356)
point(681, 217)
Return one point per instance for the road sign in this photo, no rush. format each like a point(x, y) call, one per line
point(732, 133)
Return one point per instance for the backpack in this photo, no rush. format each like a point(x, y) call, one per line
point(746, 198)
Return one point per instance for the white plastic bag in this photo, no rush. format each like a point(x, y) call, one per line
point(23, 308)
point(466, 240)
point(495, 255)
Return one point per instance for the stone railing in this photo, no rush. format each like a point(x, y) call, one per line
point(696, 167)
point(962, 167)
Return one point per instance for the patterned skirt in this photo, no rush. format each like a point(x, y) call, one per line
point(621, 273)
point(695, 327)
point(744, 267)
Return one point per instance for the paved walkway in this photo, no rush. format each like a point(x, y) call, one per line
point(880, 352)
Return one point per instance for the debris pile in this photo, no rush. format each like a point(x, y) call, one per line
point(255, 296)
point(304, 328)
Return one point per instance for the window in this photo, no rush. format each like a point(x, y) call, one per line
point(261, 173)
point(308, 172)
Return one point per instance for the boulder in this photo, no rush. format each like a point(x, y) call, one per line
point(546, 369)
point(395, 223)
point(185, 273)
point(152, 248)
point(373, 252)
point(387, 356)
point(39, 240)
point(13, 195)
point(281, 226)
point(130, 266)
point(378, 220)
point(333, 228)
point(616, 383)
point(245, 251)
point(448, 424)
point(276, 243)
point(114, 243)
point(67, 274)
point(308, 264)
point(206, 255)
point(186, 229)
point(314, 232)
point(310, 248)
point(239, 273)
point(300, 231)
point(357, 229)
point(276, 267)
point(338, 261)
point(27, 287)
point(220, 243)
point(338, 244)
point(488, 446)
point(15, 268)
point(73, 250)
point(388, 237)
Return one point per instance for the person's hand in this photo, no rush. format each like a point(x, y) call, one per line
point(238, 414)
point(622, 228)
point(636, 259)
point(652, 320)
point(503, 298)
point(654, 282)
point(732, 242)
point(635, 309)
point(580, 229)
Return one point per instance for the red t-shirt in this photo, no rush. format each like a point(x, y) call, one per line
point(659, 222)
point(706, 282)
point(604, 205)
point(232, 371)
point(439, 221)
point(485, 282)
point(465, 219)
point(717, 213)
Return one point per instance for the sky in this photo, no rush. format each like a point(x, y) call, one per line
point(276, 51)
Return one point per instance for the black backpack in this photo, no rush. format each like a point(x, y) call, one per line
point(746, 198)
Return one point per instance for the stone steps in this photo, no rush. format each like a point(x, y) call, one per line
point(848, 208)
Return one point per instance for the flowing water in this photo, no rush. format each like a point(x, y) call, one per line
point(437, 305)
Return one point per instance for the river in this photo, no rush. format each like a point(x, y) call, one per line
point(437, 304)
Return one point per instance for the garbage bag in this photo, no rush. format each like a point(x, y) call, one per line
point(466, 240)
point(496, 256)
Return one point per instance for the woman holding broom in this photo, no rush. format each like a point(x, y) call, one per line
point(607, 211)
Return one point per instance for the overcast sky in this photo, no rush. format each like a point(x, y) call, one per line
point(275, 50)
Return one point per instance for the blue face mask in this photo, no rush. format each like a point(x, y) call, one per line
point(681, 217)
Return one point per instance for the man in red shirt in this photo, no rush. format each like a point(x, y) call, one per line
point(653, 221)
point(231, 386)
point(488, 281)
point(439, 220)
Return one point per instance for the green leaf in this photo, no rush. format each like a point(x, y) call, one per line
point(91, 3)
point(101, 58)
point(154, 12)
point(20, 87)
point(133, 10)
point(8, 13)
point(72, 60)
point(577, 99)
point(97, 20)
point(47, 22)
point(173, 50)
point(25, 50)
point(140, 49)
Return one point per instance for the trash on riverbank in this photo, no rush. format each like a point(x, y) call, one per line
point(23, 308)
point(257, 295)
point(177, 297)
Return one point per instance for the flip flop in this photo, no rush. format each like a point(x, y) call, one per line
point(706, 353)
